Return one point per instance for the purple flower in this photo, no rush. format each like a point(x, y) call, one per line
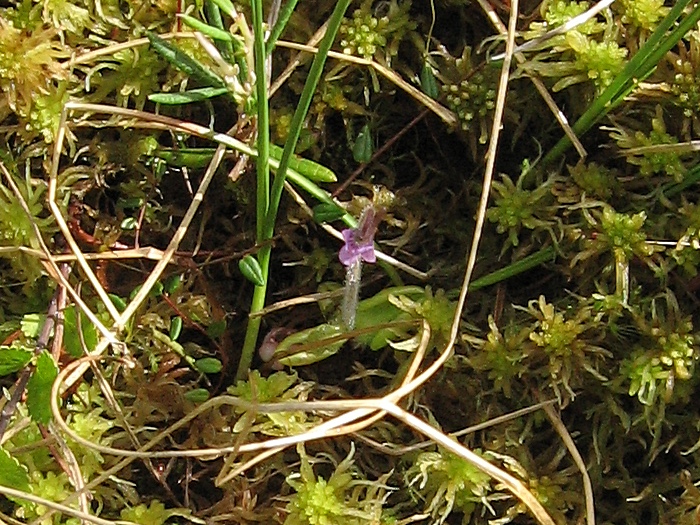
point(359, 242)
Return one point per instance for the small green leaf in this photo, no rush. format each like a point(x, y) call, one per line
point(363, 149)
point(31, 324)
point(172, 284)
point(175, 327)
point(187, 97)
point(327, 213)
point(198, 395)
point(187, 157)
point(72, 338)
point(211, 31)
point(305, 167)
point(184, 62)
point(39, 388)
point(428, 82)
point(12, 473)
point(118, 302)
point(227, 7)
point(208, 365)
point(251, 270)
point(13, 359)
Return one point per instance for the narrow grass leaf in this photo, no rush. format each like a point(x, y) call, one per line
point(39, 388)
point(212, 32)
point(284, 16)
point(308, 168)
point(185, 63)
point(187, 97)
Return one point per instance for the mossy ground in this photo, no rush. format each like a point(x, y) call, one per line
point(602, 324)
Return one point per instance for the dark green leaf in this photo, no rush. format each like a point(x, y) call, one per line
point(327, 213)
point(71, 337)
point(363, 148)
point(216, 329)
point(12, 473)
point(13, 359)
point(428, 82)
point(39, 388)
point(198, 395)
point(251, 270)
point(172, 284)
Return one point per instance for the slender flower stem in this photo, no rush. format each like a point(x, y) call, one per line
point(351, 296)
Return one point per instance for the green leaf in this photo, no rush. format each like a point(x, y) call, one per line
point(311, 345)
point(428, 82)
point(13, 359)
point(172, 284)
point(31, 324)
point(175, 327)
point(71, 337)
point(39, 388)
point(12, 473)
point(198, 395)
point(363, 149)
point(327, 213)
point(186, 97)
point(184, 62)
point(251, 270)
point(305, 167)
point(118, 302)
point(208, 365)
point(211, 31)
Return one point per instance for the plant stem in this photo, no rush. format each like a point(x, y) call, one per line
point(267, 213)
point(262, 202)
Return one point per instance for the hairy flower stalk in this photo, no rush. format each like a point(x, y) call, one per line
point(358, 247)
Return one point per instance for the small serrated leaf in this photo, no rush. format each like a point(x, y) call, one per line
point(12, 473)
point(13, 359)
point(208, 365)
point(251, 270)
point(39, 388)
point(31, 324)
point(71, 337)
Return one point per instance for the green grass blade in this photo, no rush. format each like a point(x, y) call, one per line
point(284, 16)
point(302, 109)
